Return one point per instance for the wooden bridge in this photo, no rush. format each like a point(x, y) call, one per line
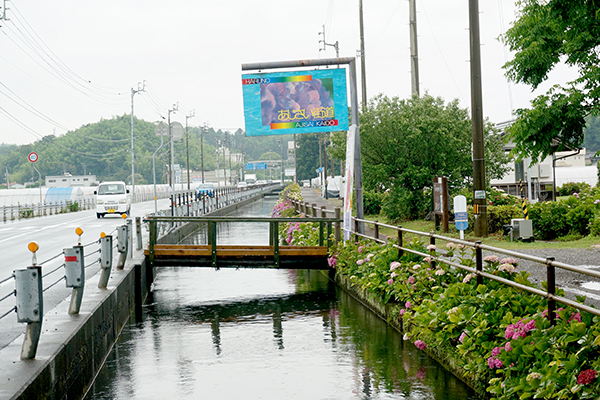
point(214, 255)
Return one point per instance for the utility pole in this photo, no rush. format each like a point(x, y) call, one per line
point(325, 163)
point(479, 196)
point(3, 13)
point(363, 72)
point(414, 49)
point(335, 45)
point(202, 149)
point(187, 149)
point(133, 92)
point(172, 162)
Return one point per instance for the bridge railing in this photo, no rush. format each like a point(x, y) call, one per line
point(324, 230)
point(21, 211)
point(478, 247)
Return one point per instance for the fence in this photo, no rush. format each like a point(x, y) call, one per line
point(21, 211)
point(477, 247)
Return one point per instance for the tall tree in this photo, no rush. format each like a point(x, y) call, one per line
point(546, 33)
point(406, 143)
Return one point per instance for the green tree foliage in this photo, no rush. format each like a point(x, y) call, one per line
point(546, 33)
point(591, 140)
point(406, 143)
point(307, 156)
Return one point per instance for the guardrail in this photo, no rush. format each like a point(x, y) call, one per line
point(477, 247)
point(22, 211)
point(30, 287)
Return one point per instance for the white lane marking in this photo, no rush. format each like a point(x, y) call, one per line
point(39, 229)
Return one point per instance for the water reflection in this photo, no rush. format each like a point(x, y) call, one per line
point(265, 334)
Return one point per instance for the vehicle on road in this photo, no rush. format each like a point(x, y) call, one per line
point(242, 184)
point(261, 182)
point(112, 198)
point(205, 189)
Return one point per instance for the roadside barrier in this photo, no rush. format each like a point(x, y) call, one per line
point(29, 282)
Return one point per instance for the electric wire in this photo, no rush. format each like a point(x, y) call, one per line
point(377, 38)
point(441, 53)
point(505, 48)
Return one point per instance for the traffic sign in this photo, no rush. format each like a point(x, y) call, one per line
point(33, 157)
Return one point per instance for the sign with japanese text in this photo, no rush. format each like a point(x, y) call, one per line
point(295, 102)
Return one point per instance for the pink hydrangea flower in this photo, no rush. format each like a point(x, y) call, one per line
point(420, 344)
point(390, 281)
point(508, 260)
point(402, 311)
point(575, 317)
point(431, 247)
point(360, 262)
point(408, 304)
point(491, 259)
point(393, 275)
point(332, 261)
point(439, 272)
point(394, 265)
point(468, 278)
point(411, 280)
point(360, 249)
point(462, 337)
point(507, 346)
point(586, 377)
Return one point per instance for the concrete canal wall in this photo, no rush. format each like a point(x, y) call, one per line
point(384, 311)
point(73, 348)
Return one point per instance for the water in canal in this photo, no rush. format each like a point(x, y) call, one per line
point(264, 334)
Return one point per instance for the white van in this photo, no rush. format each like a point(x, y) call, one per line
point(112, 198)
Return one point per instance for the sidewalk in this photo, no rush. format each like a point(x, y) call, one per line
point(313, 196)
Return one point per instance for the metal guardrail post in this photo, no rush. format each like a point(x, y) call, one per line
point(30, 307)
point(152, 241)
point(314, 210)
point(322, 226)
point(551, 278)
point(356, 230)
point(105, 260)
point(478, 262)
point(75, 276)
point(275, 235)
point(338, 226)
point(376, 230)
point(130, 238)
point(138, 232)
point(212, 241)
point(122, 243)
point(432, 252)
point(400, 242)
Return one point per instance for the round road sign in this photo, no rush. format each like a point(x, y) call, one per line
point(33, 157)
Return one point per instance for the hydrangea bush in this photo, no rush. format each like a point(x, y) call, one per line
point(499, 334)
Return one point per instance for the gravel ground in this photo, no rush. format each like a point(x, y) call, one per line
point(574, 284)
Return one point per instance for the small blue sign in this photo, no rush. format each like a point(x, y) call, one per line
point(461, 220)
point(261, 165)
point(249, 166)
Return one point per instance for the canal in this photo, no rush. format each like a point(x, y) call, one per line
point(264, 334)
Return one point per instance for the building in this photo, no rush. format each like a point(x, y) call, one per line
point(69, 180)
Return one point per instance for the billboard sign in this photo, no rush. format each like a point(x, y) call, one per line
point(295, 102)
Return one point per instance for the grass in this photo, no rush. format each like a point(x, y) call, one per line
point(496, 240)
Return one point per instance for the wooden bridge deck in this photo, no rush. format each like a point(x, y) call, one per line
point(241, 256)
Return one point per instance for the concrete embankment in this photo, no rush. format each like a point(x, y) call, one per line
point(73, 348)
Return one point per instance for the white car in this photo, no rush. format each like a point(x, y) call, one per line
point(242, 184)
point(112, 198)
point(261, 182)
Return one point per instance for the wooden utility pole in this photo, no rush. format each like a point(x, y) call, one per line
point(479, 196)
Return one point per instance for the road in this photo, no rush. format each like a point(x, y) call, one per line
point(53, 234)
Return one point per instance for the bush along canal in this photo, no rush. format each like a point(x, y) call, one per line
point(496, 339)
point(264, 334)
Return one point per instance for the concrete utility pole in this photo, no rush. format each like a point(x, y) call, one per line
point(414, 49)
point(479, 196)
point(187, 148)
point(363, 72)
point(133, 92)
point(205, 127)
point(172, 162)
point(3, 13)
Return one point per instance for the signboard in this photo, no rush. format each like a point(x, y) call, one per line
point(261, 165)
point(440, 201)
point(461, 218)
point(33, 157)
point(249, 166)
point(295, 102)
point(350, 146)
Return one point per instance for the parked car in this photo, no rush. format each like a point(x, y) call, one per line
point(205, 189)
point(242, 184)
point(261, 182)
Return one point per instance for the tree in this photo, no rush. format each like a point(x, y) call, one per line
point(546, 33)
point(591, 140)
point(406, 143)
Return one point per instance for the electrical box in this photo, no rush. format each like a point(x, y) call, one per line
point(522, 229)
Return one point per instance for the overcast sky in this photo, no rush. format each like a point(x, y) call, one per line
point(67, 63)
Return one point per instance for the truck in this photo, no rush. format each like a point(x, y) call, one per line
point(250, 179)
point(112, 198)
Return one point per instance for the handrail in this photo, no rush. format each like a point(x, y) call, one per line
point(550, 264)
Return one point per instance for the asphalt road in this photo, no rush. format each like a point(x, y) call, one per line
point(53, 234)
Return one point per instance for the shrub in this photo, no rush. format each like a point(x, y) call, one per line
point(549, 220)
point(372, 202)
point(403, 204)
point(595, 225)
point(501, 215)
point(573, 187)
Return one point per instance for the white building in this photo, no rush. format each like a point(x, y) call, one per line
point(69, 180)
